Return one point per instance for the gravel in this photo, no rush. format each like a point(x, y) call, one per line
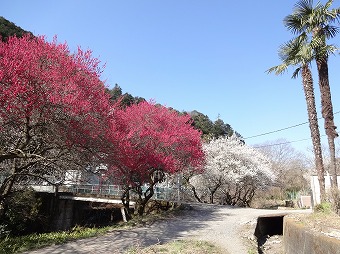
point(228, 227)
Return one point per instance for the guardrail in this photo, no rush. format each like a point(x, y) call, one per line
point(161, 193)
point(114, 190)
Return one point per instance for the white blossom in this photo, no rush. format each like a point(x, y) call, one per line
point(229, 160)
point(233, 159)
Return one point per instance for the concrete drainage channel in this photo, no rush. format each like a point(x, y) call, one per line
point(267, 226)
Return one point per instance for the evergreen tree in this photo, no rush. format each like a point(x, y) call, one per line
point(8, 29)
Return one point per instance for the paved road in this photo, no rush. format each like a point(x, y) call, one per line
point(218, 224)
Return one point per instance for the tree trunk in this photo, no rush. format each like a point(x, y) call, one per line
point(141, 202)
point(228, 198)
point(212, 197)
point(8, 183)
point(126, 201)
point(195, 194)
point(187, 181)
point(140, 207)
point(327, 113)
point(307, 82)
point(212, 193)
point(6, 187)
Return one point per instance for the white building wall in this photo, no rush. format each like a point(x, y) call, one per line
point(316, 187)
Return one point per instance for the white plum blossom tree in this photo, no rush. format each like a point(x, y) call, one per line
point(233, 172)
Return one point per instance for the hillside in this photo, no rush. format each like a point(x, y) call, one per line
point(8, 28)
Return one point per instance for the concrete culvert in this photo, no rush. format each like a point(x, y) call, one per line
point(267, 226)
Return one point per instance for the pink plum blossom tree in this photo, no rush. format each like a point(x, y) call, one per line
point(53, 110)
point(150, 141)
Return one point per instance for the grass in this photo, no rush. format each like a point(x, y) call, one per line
point(323, 208)
point(178, 247)
point(253, 251)
point(23, 243)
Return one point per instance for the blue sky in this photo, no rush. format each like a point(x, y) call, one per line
point(209, 56)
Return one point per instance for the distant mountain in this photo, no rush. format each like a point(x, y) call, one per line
point(8, 28)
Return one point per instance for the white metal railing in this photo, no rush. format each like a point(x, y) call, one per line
point(161, 193)
point(113, 190)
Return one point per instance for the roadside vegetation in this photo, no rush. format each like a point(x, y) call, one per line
point(323, 221)
point(34, 241)
point(16, 244)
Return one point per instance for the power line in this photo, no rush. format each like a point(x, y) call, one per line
point(283, 143)
point(288, 142)
point(270, 132)
point(286, 128)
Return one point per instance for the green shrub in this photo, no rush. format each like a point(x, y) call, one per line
point(324, 207)
point(21, 213)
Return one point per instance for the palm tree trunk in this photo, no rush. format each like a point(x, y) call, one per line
point(327, 114)
point(307, 82)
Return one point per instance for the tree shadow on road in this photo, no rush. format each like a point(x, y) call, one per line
point(183, 226)
point(159, 232)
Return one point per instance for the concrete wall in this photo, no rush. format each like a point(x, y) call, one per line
point(297, 239)
point(63, 216)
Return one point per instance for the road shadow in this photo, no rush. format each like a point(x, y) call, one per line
point(161, 231)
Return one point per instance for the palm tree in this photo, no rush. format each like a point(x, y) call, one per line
point(317, 22)
point(298, 53)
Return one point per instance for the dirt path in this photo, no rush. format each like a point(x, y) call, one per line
point(218, 224)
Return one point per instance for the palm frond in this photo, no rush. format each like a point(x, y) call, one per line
point(279, 69)
point(296, 72)
point(330, 31)
point(293, 24)
point(296, 51)
point(303, 10)
point(326, 51)
point(331, 49)
point(300, 19)
point(336, 14)
point(303, 7)
point(328, 4)
point(306, 18)
point(332, 14)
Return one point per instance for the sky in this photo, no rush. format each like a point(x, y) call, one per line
point(210, 56)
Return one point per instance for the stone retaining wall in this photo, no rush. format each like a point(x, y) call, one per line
point(297, 239)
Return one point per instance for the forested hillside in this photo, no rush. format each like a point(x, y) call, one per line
point(210, 129)
point(8, 28)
